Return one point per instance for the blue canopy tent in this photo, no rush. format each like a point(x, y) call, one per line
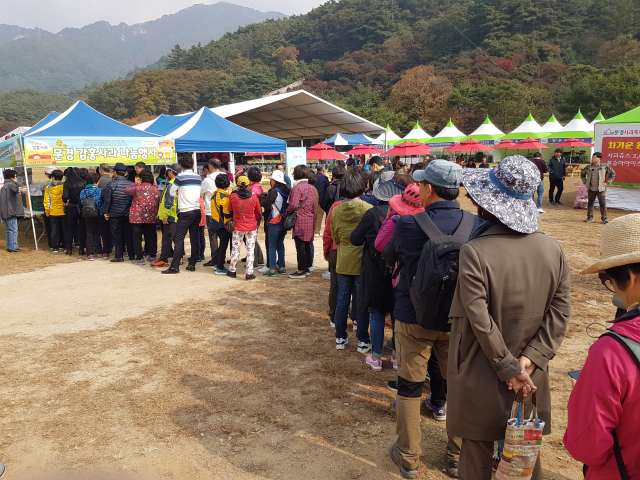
point(342, 139)
point(44, 121)
point(204, 131)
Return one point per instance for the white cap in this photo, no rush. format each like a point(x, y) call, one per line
point(49, 170)
point(278, 176)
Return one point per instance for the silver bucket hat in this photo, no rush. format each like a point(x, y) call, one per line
point(384, 188)
point(506, 192)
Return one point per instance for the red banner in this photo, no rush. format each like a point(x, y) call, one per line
point(623, 155)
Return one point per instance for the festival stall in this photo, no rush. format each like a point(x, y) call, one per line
point(527, 129)
point(577, 128)
point(389, 138)
point(417, 134)
point(552, 126)
point(447, 136)
point(340, 139)
point(488, 134)
point(619, 141)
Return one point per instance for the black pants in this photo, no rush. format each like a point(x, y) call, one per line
point(187, 222)
point(121, 235)
point(91, 225)
point(303, 253)
point(213, 240)
point(553, 184)
point(201, 242)
point(601, 200)
point(224, 238)
point(47, 227)
point(168, 233)
point(74, 219)
point(105, 235)
point(58, 230)
point(437, 382)
point(148, 230)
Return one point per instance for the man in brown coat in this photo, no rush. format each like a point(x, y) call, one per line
point(509, 314)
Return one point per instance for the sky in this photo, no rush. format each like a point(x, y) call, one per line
point(54, 15)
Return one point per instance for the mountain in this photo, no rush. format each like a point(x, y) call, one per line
point(74, 57)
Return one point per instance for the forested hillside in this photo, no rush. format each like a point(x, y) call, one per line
point(398, 61)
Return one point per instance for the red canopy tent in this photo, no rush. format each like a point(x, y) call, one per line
point(407, 149)
point(504, 144)
point(573, 142)
point(365, 150)
point(528, 144)
point(469, 145)
point(322, 151)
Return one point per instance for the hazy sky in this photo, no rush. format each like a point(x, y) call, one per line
point(54, 15)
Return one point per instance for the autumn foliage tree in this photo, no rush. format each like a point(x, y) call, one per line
point(422, 95)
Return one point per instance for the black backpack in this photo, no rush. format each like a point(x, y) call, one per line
point(432, 288)
point(89, 209)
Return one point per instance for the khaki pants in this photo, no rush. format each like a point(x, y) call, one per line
point(319, 217)
point(414, 345)
point(476, 458)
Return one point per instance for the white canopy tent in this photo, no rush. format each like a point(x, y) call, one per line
point(417, 134)
point(295, 116)
point(552, 125)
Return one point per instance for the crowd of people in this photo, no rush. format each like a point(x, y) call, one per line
point(479, 303)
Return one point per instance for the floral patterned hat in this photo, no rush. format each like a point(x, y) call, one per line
point(506, 192)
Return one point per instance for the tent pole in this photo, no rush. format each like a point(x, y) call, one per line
point(33, 225)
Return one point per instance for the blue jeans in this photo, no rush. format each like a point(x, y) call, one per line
point(345, 286)
point(276, 245)
point(11, 225)
point(540, 194)
point(377, 331)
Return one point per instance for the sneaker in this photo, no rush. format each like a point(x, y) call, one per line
point(559, 203)
point(89, 258)
point(264, 270)
point(151, 259)
point(326, 275)
point(604, 220)
point(541, 210)
point(331, 323)
point(394, 362)
point(282, 271)
point(364, 347)
point(552, 203)
point(318, 234)
point(307, 272)
point(452, 469)
point(298, 275)
point(55, 251)
point(495, 462)
point(392, 385)
point(160, 263)
point(105, 256)
point(405, 472)
point(231, 274)
point(250, 277)
point(341, 342)
point(312, 268)
point(355, 326)
point(589, 220)
point(210, 263)
point(439, 413)
point(138, 262)
point(222, 271)
point(375, 364)
point(269, 273)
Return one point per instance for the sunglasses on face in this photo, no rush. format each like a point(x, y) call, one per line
point(606, 281)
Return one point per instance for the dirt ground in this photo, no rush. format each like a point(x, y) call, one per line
point(114, 370)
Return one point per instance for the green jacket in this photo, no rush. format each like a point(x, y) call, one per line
point(344, 220)
point(168, 207)
point(603, 169)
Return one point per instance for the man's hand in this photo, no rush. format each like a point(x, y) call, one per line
point(165, 221)
point(523, 382)
point(527, 365)
point(106, 217)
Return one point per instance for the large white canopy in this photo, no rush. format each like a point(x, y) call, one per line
point(528, 128)
point(552, 125)
point(295, 115)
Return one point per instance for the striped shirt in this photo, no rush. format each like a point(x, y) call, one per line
point(186, 188)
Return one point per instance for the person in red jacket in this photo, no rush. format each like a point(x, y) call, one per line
point(245, 208)
point(604, 407)
point(143, 216)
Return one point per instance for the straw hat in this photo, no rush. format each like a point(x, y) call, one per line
point(619, 244)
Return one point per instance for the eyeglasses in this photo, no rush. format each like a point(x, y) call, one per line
point(606, 281)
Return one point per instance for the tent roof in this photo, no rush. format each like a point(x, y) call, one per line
point(44, 121)
point(487, 131)
point(632, 116)
point(392, 137)
point(295, 115)
point(449, 134)
point(80, 120)
point(552, 125)
point(598, 119)
point(204, 131)
point(417, 134)
point(341, 139)
point(527, 129)
point(576, 128)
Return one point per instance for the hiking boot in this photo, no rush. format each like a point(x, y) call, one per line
point(231, 274)
point(220, 271)
point(589, 220)
point(364, 347)
point(89, 258)
point(604, 220)
point(392, 385)
point(160, 263)
point(374, 363)
point(439, 413)
point(341, 342)
point(451, 469)
point(250, 277)
point(405, 472)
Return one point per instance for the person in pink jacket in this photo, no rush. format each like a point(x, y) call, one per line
point(604, 407)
